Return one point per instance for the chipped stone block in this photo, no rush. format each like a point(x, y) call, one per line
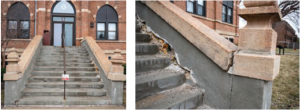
point(256, 66)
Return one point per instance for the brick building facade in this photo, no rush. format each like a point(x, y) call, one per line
point(221, 16)
point(285, 34)
point(105, 21)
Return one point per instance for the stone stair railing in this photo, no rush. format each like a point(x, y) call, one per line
point(18, 69)
point(111, 71)
point(234, 77)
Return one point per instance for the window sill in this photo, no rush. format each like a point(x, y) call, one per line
point(110, 41)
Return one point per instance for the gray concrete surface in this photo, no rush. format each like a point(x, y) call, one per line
point(148, 63)
point(220, 87)
point(143, 38)
point(146, 49)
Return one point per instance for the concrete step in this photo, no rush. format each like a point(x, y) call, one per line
point(67, 57)
point(60, 92)
point(58, 100)
point(61, 60)
point(60, 68)
point(156, 81)
point(59, 79)
point(182, 97)
point(67, 51)
point(139, 37)
point(146, 49)
point(153, 62)
point(61, 54)
point(43, 85)
point(62, 64)
point(59, 73)
point(60, 48)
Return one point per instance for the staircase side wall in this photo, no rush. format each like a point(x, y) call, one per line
point(222, 90)
point(114, 88)
point(13, 88)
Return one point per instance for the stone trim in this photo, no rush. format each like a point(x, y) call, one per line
point(205, 39)
point(212, 20)
point(123, 52)
point(110, 41)
point(103, 60)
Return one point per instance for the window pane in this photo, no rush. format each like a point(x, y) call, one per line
point(223, 9)
point(57, 18)
point(63, 7)
point(111, 35)
point(229, 19)
point(24, 34)
point(112, 27)
point(100, 27)
point(223, 17)
point(71, 19)
point(24, 25)
point(229, 11)
point(100, 35)
point(200, 10)
point(12, 25)
point(190, 7)
point(200, 2)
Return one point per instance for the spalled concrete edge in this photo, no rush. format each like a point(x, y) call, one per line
point(208, 41)
point(13, 88)
point(103, 60)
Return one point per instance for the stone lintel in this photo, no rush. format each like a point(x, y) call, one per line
point(258, 40)
point(256, 66)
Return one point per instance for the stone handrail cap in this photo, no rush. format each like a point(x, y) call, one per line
point(256, 3)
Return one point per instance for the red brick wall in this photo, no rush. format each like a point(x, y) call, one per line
point(213, 18)
point(83, 20)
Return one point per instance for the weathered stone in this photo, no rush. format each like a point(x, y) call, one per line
point(256, 66)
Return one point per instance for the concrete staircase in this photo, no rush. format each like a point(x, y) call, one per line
point(159, 83)
point(45, 85)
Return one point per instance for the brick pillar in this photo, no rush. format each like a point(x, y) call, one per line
point(41, 17)
point(13, 68)
point(255, 63)
point(85, 18)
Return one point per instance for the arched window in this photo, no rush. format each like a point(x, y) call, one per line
point(18, 20)
point(63, 7)
point(107, 23)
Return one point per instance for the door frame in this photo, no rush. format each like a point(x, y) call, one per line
point(62, 15)
point(63, 22)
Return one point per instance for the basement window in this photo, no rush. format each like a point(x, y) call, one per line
point(196, 7)
point(227, 11)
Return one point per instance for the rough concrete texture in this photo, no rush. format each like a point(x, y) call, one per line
point(148, 63)
point(41, 85)
point(58, 100)
point(218, 84)
point(148, 83)
point(140, 37)
point(258, 95)
point(145, 49)
point(213, 45)
point(60, 92)
point(114, 88)
point(182, 97)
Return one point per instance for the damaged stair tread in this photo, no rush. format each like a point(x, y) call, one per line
point(170, 98)
point(62, 83)
point(143, 77)
point(149, 57)
point(55, 98)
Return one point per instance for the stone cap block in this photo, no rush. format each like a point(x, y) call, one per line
point(256, 66)
point(258, 40)
point(256, 3)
